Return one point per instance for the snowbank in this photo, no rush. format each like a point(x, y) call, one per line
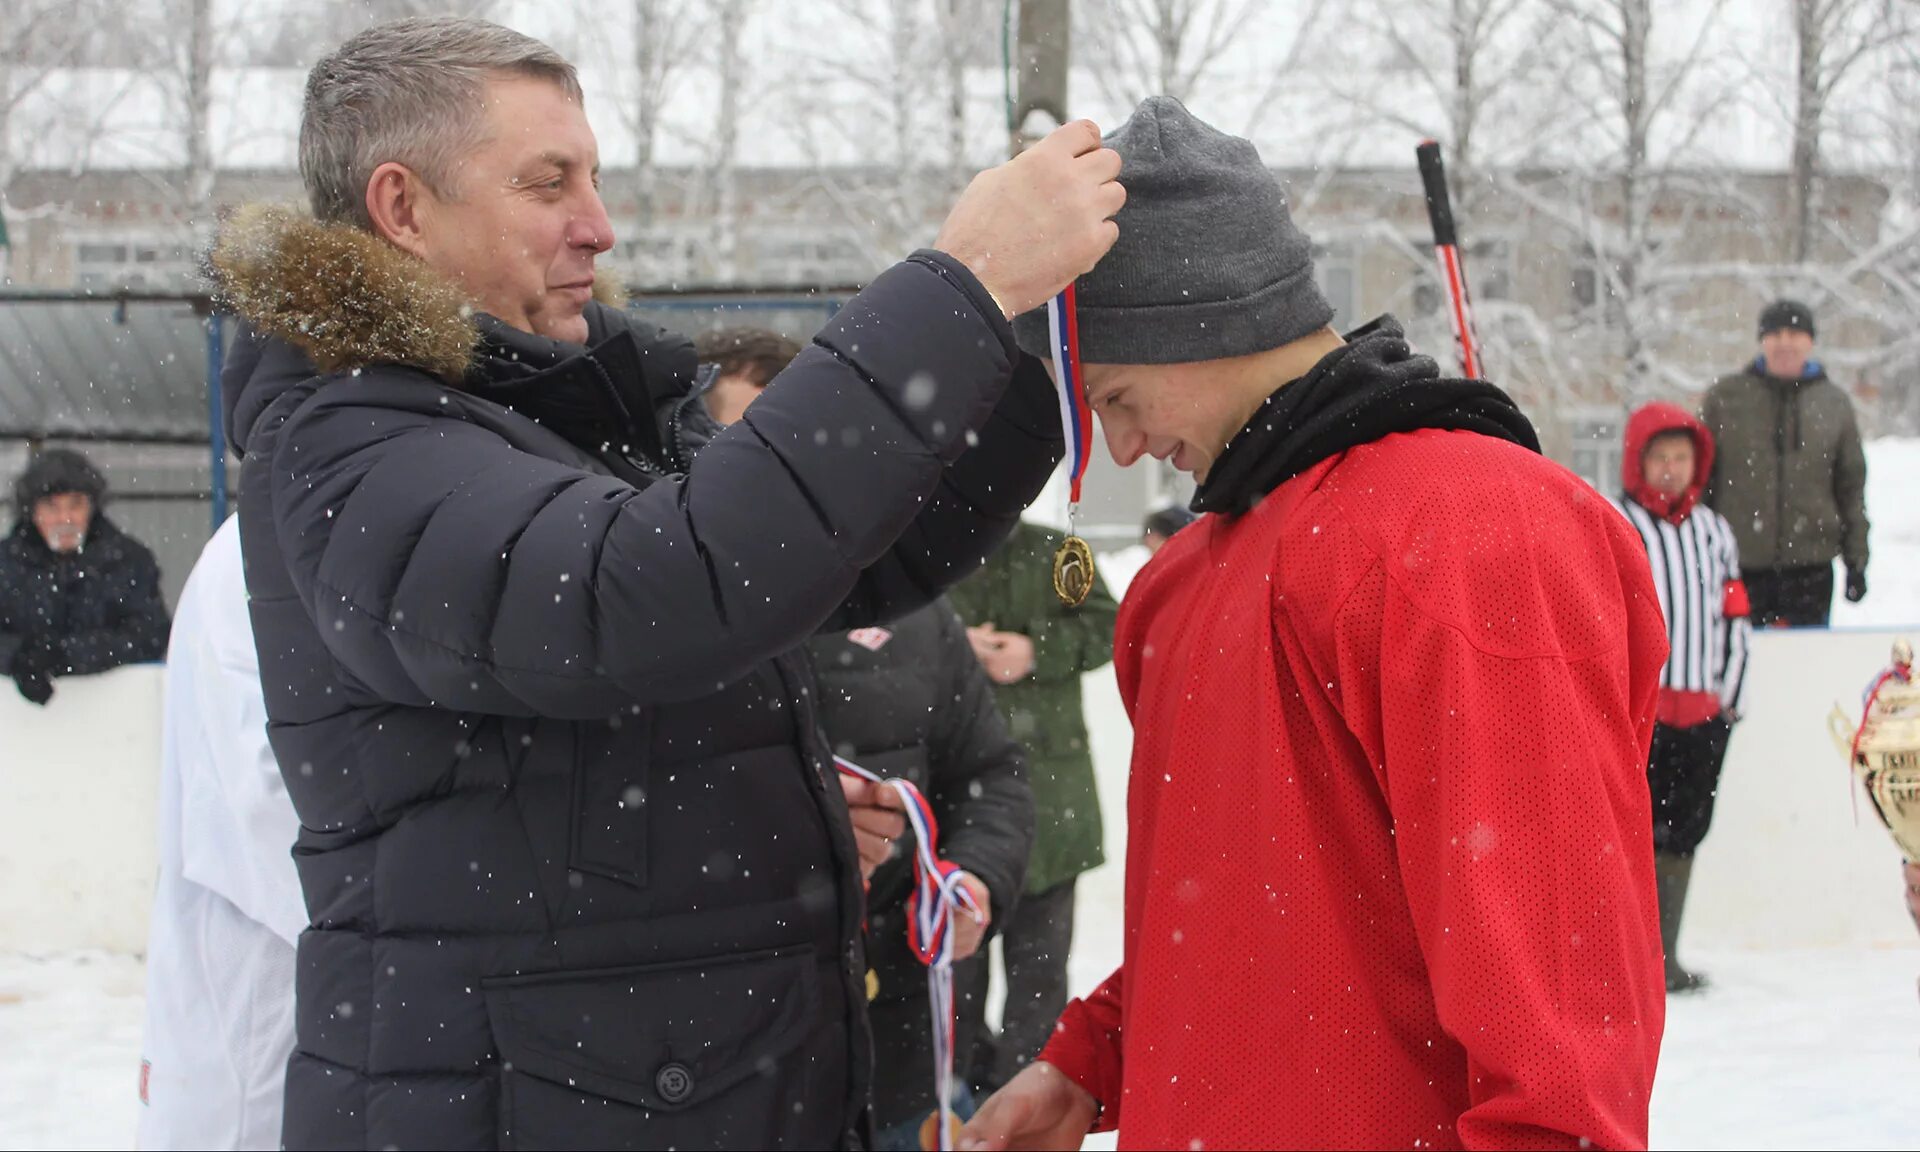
point(78, 784)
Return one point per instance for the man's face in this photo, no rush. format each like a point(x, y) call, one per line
point(1179, 413)
point(527, 222)
point(1668, 464)
point(1154, 541)
point(63, 519)
point(1786, 351)
point(727, 400)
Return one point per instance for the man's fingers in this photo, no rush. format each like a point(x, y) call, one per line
point(1102, 163)
point(997, 1122)
point(1077, 137)
point(856, 790)
point(879, 822)
point(1111, 196)
point(885, 797)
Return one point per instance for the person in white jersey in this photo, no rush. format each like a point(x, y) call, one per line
point(227, 906)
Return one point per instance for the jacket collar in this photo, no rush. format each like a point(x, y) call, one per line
point(330, 298)
point(1369, 388)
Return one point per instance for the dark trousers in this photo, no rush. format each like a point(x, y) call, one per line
point(1800, 597)
point(1683, 774)
point(1034, 944)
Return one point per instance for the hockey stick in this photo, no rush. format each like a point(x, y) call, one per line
point(1446, 246)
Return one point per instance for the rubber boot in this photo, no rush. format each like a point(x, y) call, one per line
point(1671, 875)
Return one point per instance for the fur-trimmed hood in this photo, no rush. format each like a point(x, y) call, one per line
point(330, 298)
point(345, 297)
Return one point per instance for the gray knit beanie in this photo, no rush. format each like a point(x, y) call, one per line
point(1209, 264)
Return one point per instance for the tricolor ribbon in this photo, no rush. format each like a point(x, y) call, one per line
point(1076, 418)
point(1869, 697)
point(937, 893)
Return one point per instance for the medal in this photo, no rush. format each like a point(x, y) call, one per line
point(1073, 572)
point(1073, 564)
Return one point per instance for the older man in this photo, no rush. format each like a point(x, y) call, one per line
point(77, 595)
point(1790, 475)
point(578, 870)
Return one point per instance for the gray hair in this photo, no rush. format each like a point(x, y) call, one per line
point(408, 92)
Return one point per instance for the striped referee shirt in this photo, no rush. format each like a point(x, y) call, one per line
point(1694, 563)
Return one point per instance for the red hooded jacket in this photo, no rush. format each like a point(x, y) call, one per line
point(1389, 864)
point(1653, 420)
point(1702, 568)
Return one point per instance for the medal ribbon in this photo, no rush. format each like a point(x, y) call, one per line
point(937, 895)
point(1076, 418)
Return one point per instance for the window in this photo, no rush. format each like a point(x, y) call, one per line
point(1586, 285)
point(114, 263)
point(1336, 267)
point(1488, 263)
point(1595, 449)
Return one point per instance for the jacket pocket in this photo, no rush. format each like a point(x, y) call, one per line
point(609, 832)
point(729, 1052)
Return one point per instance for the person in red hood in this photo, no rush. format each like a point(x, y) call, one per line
point(1389, 878)
point(1696, 570)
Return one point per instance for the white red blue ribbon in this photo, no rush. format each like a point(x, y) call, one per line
point(1076, 418)
point(937, 893)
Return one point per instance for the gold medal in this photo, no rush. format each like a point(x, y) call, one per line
point(873, 986)
point(930, 1131)
point(1073, 572)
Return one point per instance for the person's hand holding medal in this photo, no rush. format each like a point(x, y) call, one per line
point(1073, 172)
point(1073, 563)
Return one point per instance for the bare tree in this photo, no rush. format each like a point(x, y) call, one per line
point(1831, 38)
point(886, 157)
point(1141, 48)
point(199, 111)
point(68, 69)
point(1465, 71)
point(731, 75)
point(1609, 204)
point(664, 34)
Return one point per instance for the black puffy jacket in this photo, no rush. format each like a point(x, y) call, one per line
point(577, 870)
point(910, 700)
point(94, 609)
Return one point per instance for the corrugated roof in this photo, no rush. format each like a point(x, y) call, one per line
point(102, 369)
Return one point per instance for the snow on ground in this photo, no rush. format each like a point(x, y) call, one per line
point(1893, 566)
point(1788, 1049)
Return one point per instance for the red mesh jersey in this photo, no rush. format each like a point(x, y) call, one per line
point(1389, 862)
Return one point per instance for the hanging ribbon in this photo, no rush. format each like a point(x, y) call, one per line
point(1869, 697)
point(1076, 418)
point(937, 893)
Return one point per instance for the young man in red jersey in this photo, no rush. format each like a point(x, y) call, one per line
point(1389, 865)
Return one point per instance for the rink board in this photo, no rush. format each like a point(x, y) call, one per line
point(79, 780)
point(1788, 863)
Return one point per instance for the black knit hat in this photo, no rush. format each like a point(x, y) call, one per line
point(54, 471)
point(1786, 314)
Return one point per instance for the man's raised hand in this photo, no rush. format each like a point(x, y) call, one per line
point(1029, 227)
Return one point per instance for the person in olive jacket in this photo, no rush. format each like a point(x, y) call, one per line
point(1789, 475)
point(1036, 649)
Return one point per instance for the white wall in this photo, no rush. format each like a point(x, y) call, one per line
point(1787, 864)
point(78, 784)
point(1791, 860)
